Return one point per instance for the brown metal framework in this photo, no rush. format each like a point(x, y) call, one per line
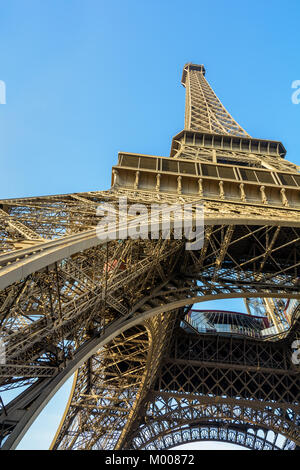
point(109, 312)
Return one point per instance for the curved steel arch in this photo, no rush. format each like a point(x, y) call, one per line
point(241, 435)
point(17, 265)
point(213, 409)
point(40, 394)
point(247, 404)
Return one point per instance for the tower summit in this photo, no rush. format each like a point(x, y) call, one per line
point(203, 110)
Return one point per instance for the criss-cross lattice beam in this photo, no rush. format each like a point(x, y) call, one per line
point(168, 412)
point(251, 437)
point(203, 110)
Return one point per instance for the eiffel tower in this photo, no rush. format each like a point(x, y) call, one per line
point(150, 371)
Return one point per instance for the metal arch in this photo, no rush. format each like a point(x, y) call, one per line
point(21, 412)
point(47, 388)
point(40, 394)
point(215, 409)
point(248, 404)
point(195, 369)
point(19, 264)
point(242, 435)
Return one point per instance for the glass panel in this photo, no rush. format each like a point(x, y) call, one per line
point(247, 175)
point(297, 179)
point(226, 172)
point(187, 167)
point(130, 160)
point(286, 179)
point(264, 177)
point(170, 165)
point(148, 163)
point(209, 170)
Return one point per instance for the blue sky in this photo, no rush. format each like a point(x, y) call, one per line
point(88, 78)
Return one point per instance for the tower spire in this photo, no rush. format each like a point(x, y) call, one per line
point(204, 111)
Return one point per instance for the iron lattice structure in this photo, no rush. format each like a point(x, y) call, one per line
point(113, 313)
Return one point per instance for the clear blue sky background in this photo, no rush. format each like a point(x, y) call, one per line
point(88, 78)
